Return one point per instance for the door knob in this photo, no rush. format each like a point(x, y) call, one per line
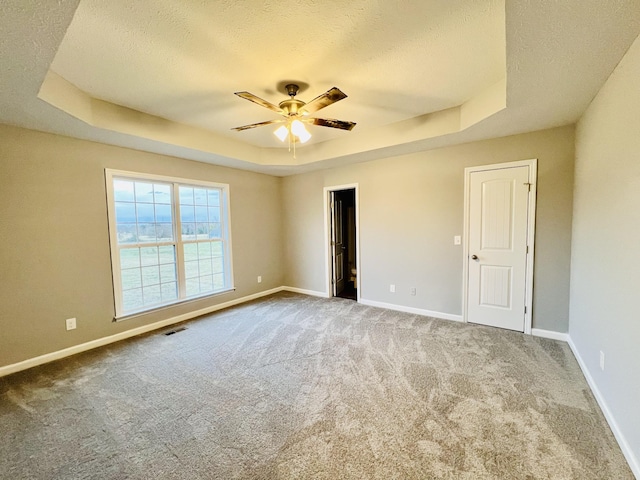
point(474, 257)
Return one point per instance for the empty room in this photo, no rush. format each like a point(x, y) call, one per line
point(319, 239)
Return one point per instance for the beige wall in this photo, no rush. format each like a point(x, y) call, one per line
point(55, 259)
point(605, 270)
point(410, 209)
point(55, 254)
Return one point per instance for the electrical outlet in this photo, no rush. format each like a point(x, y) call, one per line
point(259, 278)
point(457, 240)
point(412, 291)
point(392, 288)
point(601, 360)
point(71, 323)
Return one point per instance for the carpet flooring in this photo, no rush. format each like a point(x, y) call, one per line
point(297, 387)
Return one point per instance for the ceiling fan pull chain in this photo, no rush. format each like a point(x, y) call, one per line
point(294, 146)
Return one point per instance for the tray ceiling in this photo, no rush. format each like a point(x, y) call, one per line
point(160, 76)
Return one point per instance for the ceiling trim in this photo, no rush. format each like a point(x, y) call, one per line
point(60, 93)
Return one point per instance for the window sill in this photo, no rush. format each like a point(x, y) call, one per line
point(160, 308)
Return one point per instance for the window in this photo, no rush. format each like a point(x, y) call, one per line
point(170, 240)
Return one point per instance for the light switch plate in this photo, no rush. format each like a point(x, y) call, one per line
point(457, 240)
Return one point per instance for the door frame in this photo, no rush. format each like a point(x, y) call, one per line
point(531, 226)
point(327, 235)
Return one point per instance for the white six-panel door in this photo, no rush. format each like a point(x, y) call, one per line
point(497, 247)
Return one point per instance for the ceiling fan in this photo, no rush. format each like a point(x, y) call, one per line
point(296, 114)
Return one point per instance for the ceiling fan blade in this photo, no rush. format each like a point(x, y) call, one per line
point(330, 96)
point(252, 98)
point(330, 122)
point(254, 125)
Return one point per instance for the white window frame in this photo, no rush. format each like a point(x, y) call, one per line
point(176, 182)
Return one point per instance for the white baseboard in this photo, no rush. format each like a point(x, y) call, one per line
point(633, 462)
point(83, 347)
point(313, 293)
point(538, 332)
point(417, 311)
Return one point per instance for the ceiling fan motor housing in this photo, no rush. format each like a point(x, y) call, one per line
point(291, 106)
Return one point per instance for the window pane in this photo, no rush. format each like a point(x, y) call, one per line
point(214, 197)
point(152, 295)
point(216, 249)
point(127, 233)
point(150, 275)
point(146, 232)
point(205, 267)
point(129, 257)
point(206, 283)
point(191, 269)
point(187, 214)
point(167, 254)
point(144, 192)
point(214, 214)
point(215, 230)
point(164, 232)
point(190, 251)
point(163, 214)
point(169, 291)
point(202, 214)
point(218, 281)
point(168, 273)
point(131, 278)
point(132, 299)
point(200, 196)
point(149, 256)
point(192, 287)
point(204, 250)
point(162, 193)
point(144, 213)
point(125, 212)
point(188, 231)
point(186, 195)
point(218, 265)
point(123, 191)
point(202, 230)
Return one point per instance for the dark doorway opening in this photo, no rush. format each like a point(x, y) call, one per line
point(343, 236)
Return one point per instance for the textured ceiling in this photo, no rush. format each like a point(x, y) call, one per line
point(160, 75)
point(183, 60)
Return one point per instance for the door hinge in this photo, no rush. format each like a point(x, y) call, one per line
point(527, 248)
point(525, 309)
point(528, 185)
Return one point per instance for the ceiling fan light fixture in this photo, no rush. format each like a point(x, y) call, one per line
point(281, 133)
point(304, 136)
point(297, 128)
